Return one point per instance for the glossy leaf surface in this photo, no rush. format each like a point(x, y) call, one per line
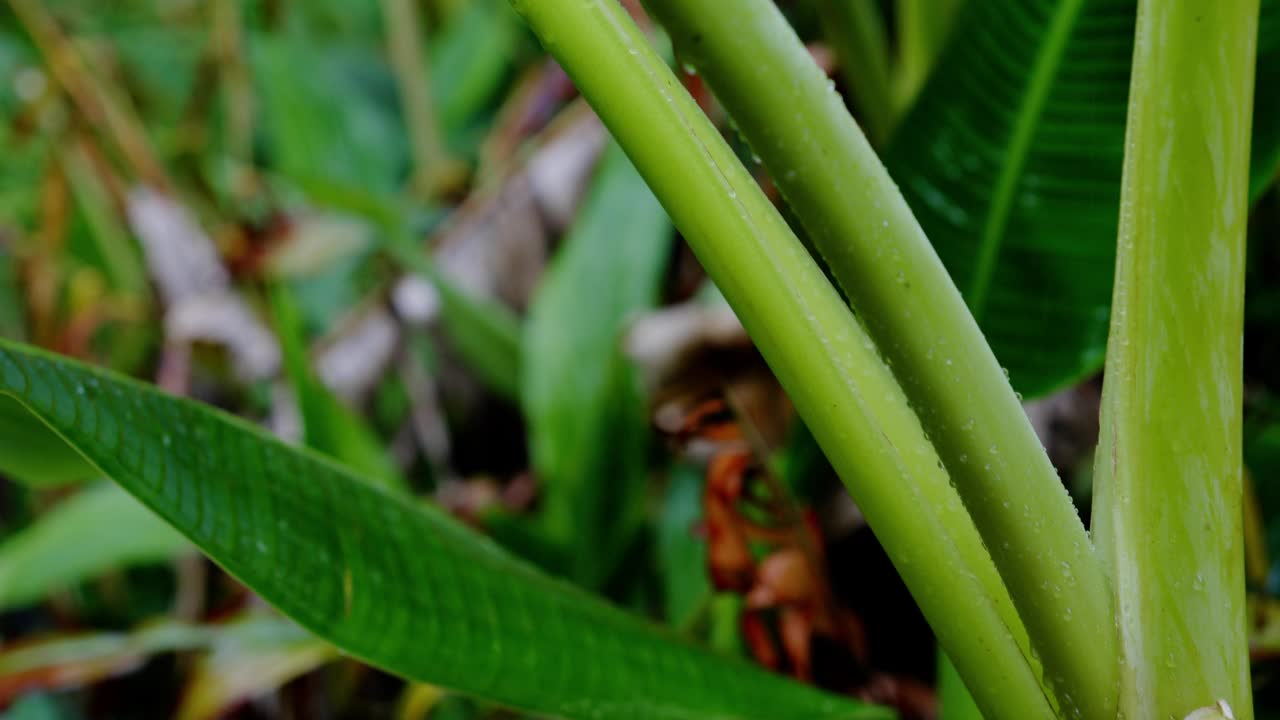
point(1011, 160)
point(399, 585)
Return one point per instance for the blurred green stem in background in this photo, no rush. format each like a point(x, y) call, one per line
point(856, 29)
point(433, 169)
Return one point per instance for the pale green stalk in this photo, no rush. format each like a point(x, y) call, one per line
point(822, 356)
point(1168, 482)
point(855, 215)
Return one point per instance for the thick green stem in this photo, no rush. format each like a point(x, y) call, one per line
point(820, 353)
point(1168, 483)
point(858, 219)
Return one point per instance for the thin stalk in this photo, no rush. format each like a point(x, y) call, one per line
point(858, 219)
point(433, 168)
point(233, 74)
point(1168, 481)
point(809, 337)
point(856, 29)
point(103, 108)
point(923, 26)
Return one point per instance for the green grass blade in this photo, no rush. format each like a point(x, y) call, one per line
point(588, 427)
point(817, 349)
point(99, 529)
point(399, 585)
point(329, 426)
point(1168, 480)
point(782, 103)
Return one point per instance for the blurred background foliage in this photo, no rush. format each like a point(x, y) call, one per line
point(391, 231)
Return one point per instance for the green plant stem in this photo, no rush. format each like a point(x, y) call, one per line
point(822, 356)
point(1168, 481)
point(433, 167)
point(858, 219)
point(923, 26)
point(856, 29)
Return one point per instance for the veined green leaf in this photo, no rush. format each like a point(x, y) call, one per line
point(31, 454)
point(1011, 161)
point(98, 529)
point(401, 586)
point(587, 425)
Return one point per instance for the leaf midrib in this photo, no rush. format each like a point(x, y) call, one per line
point(1043, 72)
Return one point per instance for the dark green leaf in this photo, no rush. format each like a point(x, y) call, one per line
point(682, 554)
point(399, 585)
point(587, 424)
point(30, 453)
point(1011, 161)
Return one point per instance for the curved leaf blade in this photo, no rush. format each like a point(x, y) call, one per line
point(588, 432)
point(1011, 162)
point(399, 585)
point(98, 529)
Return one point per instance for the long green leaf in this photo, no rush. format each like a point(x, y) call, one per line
point(401, 586)
point(1168, 501)
point(99, 529)
point(588, 429)
point(1011, 161)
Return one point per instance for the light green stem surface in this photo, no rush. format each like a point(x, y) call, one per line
point(822, 356)
point(1168, 482)
point(858, 219)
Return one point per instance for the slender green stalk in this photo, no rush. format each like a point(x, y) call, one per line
point(923, 26)
point(874, 246)
point(856, 29)
point(1168, 482)
point(432, 165)
point(819, 352)
point(227, 36)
